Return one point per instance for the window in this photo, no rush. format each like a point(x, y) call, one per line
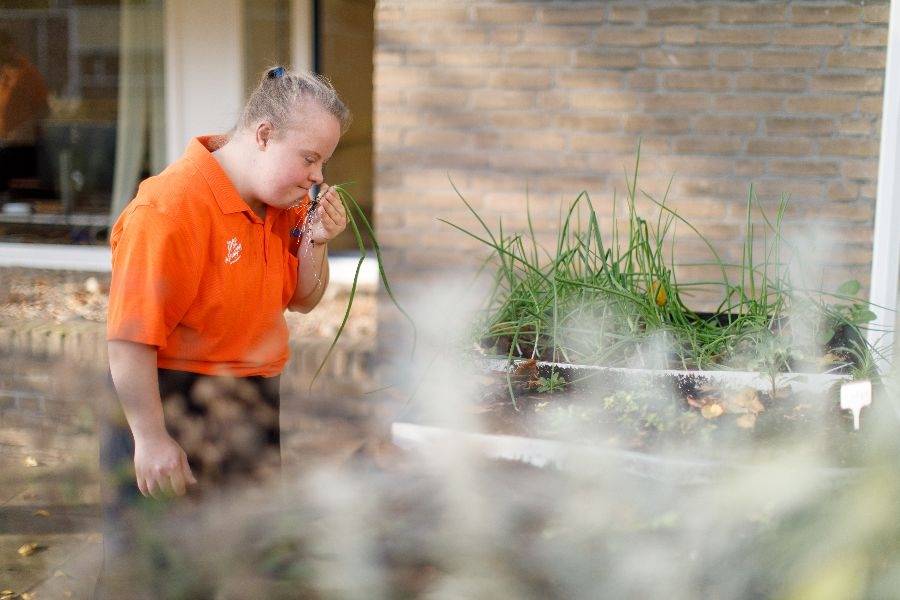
point(88, 100)
point(76, 77)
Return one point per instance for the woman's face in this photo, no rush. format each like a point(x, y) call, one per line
point(293, 157)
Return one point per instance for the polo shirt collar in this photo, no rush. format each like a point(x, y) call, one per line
point(199, 152)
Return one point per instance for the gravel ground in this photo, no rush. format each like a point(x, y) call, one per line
point(61, 296)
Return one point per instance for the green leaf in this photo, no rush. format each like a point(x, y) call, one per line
point(863, 315)
point(849, 288)
point(824, 336)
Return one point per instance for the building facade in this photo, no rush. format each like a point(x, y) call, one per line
point(128, 82)
point(508, 98)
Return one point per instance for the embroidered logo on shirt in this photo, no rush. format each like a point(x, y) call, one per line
point(232, 251)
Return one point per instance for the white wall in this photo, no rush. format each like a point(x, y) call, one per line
point(204, 64)
point(302, 34)
point(204, 54)
point(886, 242)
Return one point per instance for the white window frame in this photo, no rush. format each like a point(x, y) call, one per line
point(204, 53)
point(303, 34)
point(885, 275)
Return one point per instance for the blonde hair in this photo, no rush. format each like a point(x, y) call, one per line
point(280, 92)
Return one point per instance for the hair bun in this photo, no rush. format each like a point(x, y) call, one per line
point(281, 93)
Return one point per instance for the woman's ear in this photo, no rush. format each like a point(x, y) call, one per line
point(264, 134)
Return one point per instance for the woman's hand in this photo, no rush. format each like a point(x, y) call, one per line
point(161, 466)
point(332, 218)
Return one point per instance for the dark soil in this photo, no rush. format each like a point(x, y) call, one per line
point(684, 415)
point(836, 354)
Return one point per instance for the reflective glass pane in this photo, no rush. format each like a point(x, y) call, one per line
point(72, 74)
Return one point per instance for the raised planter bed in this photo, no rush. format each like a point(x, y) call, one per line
point(664, 423)
point(683, 379)
point(544, 453)
point(760, 373)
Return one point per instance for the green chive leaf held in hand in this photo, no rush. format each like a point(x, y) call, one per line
point(355, 217)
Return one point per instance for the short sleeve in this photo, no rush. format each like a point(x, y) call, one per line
point(155, 277)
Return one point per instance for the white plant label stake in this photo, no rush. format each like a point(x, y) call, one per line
point(854, 396)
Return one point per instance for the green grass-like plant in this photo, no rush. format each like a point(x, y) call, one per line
point(355, 218)
point(606, 300)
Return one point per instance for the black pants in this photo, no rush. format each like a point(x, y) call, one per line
point(229, 429)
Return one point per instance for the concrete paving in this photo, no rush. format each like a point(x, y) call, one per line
point(50, 382)
point(50, 497)
point(49, 471)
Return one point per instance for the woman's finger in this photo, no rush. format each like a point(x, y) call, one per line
point(186, 469)
point(325, 208)
point(328, 221)
point(337, 213)
point(142, 486)
point(154, 489)
point(329, 201)
point(176, 480)
point(164, 483)
point(165, 486)
point(329, 209)
point(336, 210)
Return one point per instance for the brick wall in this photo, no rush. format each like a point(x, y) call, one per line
point(552, 97)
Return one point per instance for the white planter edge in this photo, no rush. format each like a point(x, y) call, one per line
point(543, 453)
point(800, 382)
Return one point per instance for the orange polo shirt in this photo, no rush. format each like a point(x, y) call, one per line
point(196, 273)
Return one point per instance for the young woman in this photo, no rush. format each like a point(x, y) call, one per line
point(205, 259)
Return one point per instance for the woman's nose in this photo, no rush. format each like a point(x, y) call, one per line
point(317, 176)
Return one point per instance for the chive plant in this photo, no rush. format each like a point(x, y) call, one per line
point(599, 300)
point(356, 218)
